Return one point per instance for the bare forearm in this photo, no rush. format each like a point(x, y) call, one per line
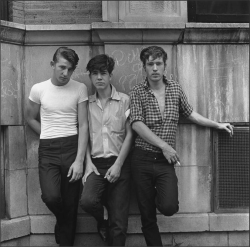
point(82, 143)
point(200, 120)
point(126, 146)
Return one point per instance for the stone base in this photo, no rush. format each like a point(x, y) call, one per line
point(168, 239)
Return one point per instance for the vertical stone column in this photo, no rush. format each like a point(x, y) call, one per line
point(15, 172)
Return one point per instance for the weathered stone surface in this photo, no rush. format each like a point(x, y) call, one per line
point(194, 184)
point(15, 193)
point(193, 145)
point(15, 148)
point(42, 240)
point(22, 241)
point(15, 228)
point(201, 239)
point(238, 238)
point(11, 84)
point(229, 222)
point(215, 79)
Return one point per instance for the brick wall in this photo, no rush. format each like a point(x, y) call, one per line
point(55, 12)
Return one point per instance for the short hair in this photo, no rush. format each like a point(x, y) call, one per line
point(101, 62)
point(155, 52)
point(68, 54)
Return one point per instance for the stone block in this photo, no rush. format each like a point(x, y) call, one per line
point(15, 228)
point(42, 240)
point(200, 239)
point(176, 223)
point(139, 240)
point(11, 78)
point(23, 241)
point(35, 203)
point(238, 238)
point(183, 223)
point(15, 148)
point(229, 222)
point(193, 144)
point(89, 239)
point(15, 193)
point(42, 224)
point(194, 184)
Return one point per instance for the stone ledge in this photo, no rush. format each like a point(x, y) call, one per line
point(177, 223)
point(136, 25)
point(229, 222)
point(99, 33)
point(12, 33)
point(216, 25)
point(15, 228)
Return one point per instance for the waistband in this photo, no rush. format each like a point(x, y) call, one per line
point(149, 153)
point(109, 159)
point(59, 139)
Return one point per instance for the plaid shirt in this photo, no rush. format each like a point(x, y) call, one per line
point(144, 107)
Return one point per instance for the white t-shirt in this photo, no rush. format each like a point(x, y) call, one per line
point(58, 107)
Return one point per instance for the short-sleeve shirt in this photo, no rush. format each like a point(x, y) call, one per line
point(59, 107)
point(144, 107)
point(107, 125)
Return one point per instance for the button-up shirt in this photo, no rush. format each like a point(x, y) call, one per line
point(144, 107)
point(107, 125)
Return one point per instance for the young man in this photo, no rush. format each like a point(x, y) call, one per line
point(62, 104)
point(107, 174)
point(155, 105)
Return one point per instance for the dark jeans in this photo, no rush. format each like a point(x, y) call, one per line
point(156, 187)
point(61, 197)
point(117, 197)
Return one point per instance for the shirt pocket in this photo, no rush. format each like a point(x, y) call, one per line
point(118, 124)
point(117, 117)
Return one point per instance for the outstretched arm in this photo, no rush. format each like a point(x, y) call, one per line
point(198, 119)
point(76, 169)
point(31, 114)
point(144, 132)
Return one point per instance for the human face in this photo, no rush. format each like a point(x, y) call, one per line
point(100, 79)
point(62, 71)
point(155, 69)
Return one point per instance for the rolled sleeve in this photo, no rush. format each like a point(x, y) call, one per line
point(135, 108)
point(185, 108)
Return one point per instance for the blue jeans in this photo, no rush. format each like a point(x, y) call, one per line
point(156, 187)
point(61, 197)
point(97, 191)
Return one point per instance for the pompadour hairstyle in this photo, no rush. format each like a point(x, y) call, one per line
point(68, 54)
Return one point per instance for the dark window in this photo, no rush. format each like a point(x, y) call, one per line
point(231, 171)
point(218, 11)
point(4, 12)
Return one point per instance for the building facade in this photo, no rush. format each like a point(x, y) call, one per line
point(208, 54)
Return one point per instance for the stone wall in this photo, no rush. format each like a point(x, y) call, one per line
point(55, 12)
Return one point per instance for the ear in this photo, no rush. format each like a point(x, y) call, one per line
point(110, 76)
point(52, 64)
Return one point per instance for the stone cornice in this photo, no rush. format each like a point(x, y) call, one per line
point(12, 33)
point(100, 33)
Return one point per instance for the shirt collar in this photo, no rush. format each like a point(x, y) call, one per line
point(146, 83)
point(114, 95)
